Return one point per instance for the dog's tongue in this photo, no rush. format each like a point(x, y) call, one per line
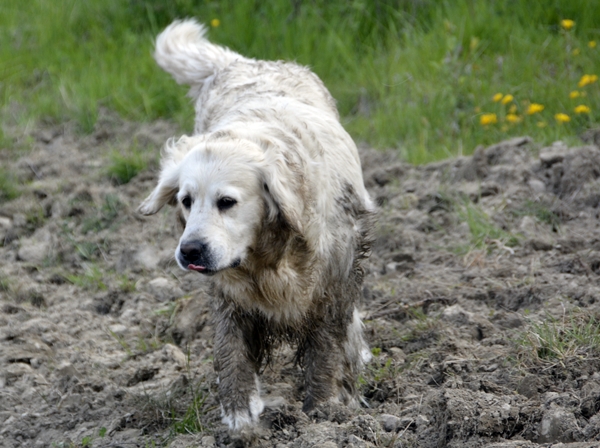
point(193, 267)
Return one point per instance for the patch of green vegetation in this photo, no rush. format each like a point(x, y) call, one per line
point(106, 216)
point(92, 279)
point(431, 78)
point(541, 212)
point(191, 421)
point(484, 233)
point(124, 167)
point(557, 340)
point(9, 189)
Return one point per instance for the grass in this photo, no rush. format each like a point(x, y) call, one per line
point(8, 186)
point(484, 233)
point(416, 75)
point(106, 217)
point(541, 212)
point(124, 167)
point(559, 340)
point(92, 279)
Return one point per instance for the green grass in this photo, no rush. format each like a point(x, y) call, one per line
point(415, 75)
point(557, 340)
point(124, 167)
point(8, 186)
point(484, 233)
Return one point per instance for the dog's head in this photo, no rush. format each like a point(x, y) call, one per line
point(228, 191)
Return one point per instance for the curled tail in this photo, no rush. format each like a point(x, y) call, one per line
point(184, 52)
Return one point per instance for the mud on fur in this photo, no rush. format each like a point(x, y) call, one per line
point(270, 195)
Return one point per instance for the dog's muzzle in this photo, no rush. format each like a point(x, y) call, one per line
point(196, 256)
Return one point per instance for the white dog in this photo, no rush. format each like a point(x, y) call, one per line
point(270, 194)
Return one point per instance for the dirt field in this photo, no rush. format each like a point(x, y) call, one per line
point(479, 305)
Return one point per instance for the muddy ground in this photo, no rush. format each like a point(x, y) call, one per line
point(480, 306)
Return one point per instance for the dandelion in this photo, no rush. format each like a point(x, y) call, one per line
point(513, 118)
point(513, 109)
point(582, 109)
point(215, 23)
point(534, 108)
point(576, 52)
point(486, 119)
point(507, 99)
point(562, 118)
point(587, 79)
point(592, 44)
point(567, 24)
point(497, 97)
point(574, 94)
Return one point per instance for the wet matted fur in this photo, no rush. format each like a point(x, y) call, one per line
point(270, 195)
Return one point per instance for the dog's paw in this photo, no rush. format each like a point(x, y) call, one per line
point(240, 419)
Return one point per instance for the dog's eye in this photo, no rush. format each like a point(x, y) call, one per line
point(225, 203)
point(186, 202)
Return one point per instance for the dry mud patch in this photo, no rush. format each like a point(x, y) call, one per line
point(480, 306)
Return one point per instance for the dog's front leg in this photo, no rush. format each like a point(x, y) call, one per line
point(238, 356)
point(323, 359)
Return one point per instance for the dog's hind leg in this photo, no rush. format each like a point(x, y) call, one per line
point(238, 351)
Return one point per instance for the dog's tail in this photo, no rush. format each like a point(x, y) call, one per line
point(184, 52)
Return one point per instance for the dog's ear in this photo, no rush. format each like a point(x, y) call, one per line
point(285, 191)
point(168, 182)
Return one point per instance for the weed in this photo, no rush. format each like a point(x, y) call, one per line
point(124, 167)
point(106, 216)
point(126, 284)
point(191, 421)
point(91, 279)
point(484, 233)
point(8, 186)
point(558, 340)
point(541, 212)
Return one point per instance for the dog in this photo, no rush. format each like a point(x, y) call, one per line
point(270, 196)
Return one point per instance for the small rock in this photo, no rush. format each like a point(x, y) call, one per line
point(174, 354)
point(540, 244)
point(118, 329)
point(536, 185)
point(389, 422)
point(558, 425)
point(37, 248)
point(208, 441)
point(457, 315)
point(164, 289)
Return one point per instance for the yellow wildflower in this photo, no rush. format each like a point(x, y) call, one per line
point(486, 119)
point(513, 118)
point(507, 99)
point(592, 44)
point(497, 97)
point(215, 23)
point(587, 79)
point(574, 94)
point(567, 24)
point(513, 109)
point(562, 118)
point(576, 52)
point(582, 109)
point(534, 108)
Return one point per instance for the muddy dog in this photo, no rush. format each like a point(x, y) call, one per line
point(270, 194)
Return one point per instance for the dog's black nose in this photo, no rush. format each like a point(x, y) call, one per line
point(193, 252)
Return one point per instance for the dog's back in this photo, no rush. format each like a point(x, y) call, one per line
point(183, 51)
